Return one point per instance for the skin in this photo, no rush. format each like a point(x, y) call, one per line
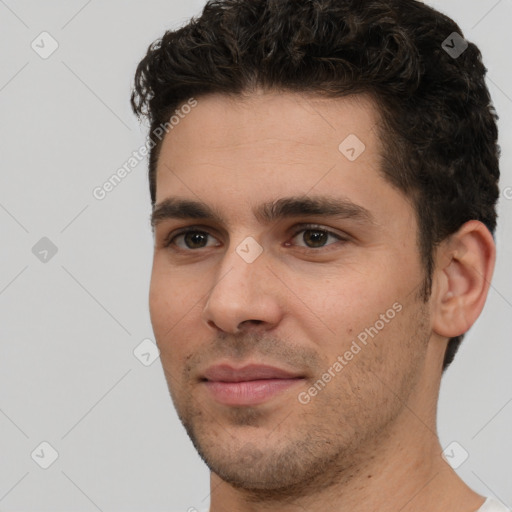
point(368, 440)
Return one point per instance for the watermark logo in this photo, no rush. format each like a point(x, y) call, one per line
point(44, 250)
point(44, 455)
point(146, 352)
point(454, 45)
point(249, 249)
point(44, 45)
point(352, 147)
point(455, 454)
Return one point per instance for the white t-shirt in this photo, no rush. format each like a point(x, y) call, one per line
point(490, 505)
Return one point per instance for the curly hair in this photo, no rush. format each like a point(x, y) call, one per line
point(439, 128)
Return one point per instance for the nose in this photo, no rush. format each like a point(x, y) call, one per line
point(243, 296)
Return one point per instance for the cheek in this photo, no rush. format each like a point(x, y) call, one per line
point(160, 304)
point(365, 315)
point(345, 303)
point(170, 293)
point(166, 309)
point(173, 307)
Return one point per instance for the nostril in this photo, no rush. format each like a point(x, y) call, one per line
point(257, 322)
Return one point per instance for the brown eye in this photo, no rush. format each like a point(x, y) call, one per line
point(192, 239)
point(315, 237)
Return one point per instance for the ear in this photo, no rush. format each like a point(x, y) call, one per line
point(464, 265)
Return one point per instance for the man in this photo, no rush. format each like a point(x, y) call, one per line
point(323, 209)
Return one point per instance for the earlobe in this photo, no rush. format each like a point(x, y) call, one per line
point(464, 267)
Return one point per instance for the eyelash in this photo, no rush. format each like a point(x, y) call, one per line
point(303, 227)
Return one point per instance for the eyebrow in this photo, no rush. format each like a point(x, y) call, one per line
point(266, 213)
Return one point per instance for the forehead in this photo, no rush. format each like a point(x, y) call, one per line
point(234, 153)
point(270, 128)
point(273, 119)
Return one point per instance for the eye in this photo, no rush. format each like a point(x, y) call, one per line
point(192, 238)
point(316, 236)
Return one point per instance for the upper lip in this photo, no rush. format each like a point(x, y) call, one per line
point(226, 373)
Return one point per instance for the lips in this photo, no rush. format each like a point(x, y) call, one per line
point(249, 386)
point(226, 373)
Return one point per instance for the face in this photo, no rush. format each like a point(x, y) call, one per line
point(301, 258)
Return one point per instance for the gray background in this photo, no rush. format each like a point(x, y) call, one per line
point(69, 326)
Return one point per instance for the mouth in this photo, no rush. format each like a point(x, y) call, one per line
point(249, 385)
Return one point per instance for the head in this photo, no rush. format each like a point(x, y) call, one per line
point(278, 89)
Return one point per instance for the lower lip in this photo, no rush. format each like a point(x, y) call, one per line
point(251, 392)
